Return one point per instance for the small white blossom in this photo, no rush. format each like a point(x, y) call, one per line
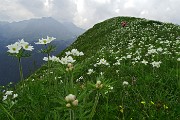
point(54, 59)
point(128, 56)
point(68, 53)
point(74, 52)
point(144, 62)
point(25, 45)
point(81, 53)
point(90, 71)
point(151, 51)
point(66, 60)
point(14, 48)
point(160, 49)
point(8, 92)
point(4, 97)
point(45, 41)
point(15, 96)
point(45, 58)
point(156, 64)
point(102, 61)
point(178, 59)
point(125, 83)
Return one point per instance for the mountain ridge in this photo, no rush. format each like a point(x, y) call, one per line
point(39, 27)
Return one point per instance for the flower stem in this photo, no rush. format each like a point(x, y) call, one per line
point(95, 105)
point(48, 68)
point(12, 118)
point(71, 112)
point(72, 80)
point(20, 69)
point(123, 104)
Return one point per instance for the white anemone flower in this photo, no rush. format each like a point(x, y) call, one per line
point(50, 39)
point(90, 71)
point(54, 59)
point(22, 42)
point(42, 41)
point(178, 59)
point(125, 83)
point(144, 62)
point(15, 96)
point(75, 52)
point(4, 98)
point(102, 61)
point(156, 64)
point(28, 47)
point(129, 56)
point(45, 58)
point(68, 53)
point(8, 92)
point(25, 45)
point(66, 60)
point(45, 41)
point(81, 53)
point(14, 48)
point(70, 59)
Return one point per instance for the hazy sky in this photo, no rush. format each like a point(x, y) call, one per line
point(85, 13)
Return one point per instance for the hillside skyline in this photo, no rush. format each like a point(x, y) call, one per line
point(85, 13)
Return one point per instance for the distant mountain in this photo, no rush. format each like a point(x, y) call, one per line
point(36, 28)
point(73, 28)
point(32, 30)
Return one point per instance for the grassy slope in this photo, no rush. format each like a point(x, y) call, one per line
point(111, 41)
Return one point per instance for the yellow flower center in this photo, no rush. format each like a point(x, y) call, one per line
point(26, 46)
point(14, 49)
point(45, 41)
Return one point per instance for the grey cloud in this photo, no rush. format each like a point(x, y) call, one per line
point(34, 6)
point(64, 10)
point(85, 13)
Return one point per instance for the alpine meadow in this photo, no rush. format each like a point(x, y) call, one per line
point(124, 68)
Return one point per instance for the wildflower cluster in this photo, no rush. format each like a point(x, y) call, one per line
point(17, 46)
point(74, 52)
point(9, 96)
point(67, 59)
point(101, 62)
point(53, 58)
point(90, 71)
point(156, 64)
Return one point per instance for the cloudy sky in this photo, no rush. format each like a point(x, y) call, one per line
point(85, 13)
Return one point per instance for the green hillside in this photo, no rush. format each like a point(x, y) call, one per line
point(130, 72)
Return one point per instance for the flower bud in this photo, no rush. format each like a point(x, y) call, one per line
point(70, 98)
point(99, 85)
point(75, 102)
point(98, 82)
point(70, 65)
point(68, 105)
